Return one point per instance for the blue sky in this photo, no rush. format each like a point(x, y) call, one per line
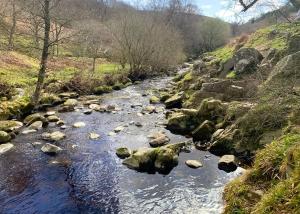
point(228, 11)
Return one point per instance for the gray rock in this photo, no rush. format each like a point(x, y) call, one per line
point(29, 131)
point(54, 136)
point(94, 136)
point(9, 125)
point(79, 125)
point(51, 149)
point(88, 111)
point(37, 125)
point(159, 139)
point(228, 163)
point(5, 148)
point(33, 118)
point(194, 164)
point(175, 101)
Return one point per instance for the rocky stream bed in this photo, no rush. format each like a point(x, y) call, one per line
point(86, 176)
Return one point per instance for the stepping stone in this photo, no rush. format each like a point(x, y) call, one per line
point(194, 164)
point(79, 125)
point(94, 136)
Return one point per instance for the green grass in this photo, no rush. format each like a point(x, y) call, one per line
point(231, 75)
point(276, 173)
point(223, 53)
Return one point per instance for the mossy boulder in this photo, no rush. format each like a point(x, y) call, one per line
point(102, 90)
point(10, 125)
point(123, 153)
point(50, 99)
point(183, 122)
point(213, 110)
point(15, 109)
point(175, 101)
point(4, 137)
point(154, 100)
point(204, 132)
point(33, 118)
point(161, 159)
point(164, 96)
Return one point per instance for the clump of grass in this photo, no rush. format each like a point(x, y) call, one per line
point(272, 185)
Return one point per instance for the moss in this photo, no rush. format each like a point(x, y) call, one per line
point(223, 53)
point(231, 75)
point(15, 109)
point(272, 185)
point(102, 89)
point(118, 86)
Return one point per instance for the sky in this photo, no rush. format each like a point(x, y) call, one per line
point(228, 11)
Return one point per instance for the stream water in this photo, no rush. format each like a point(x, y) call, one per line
point(88, 177)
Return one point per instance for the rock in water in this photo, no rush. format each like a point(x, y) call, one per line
point(79, 125)
point(159, 139)
point(5, 148)
point(54, 136)
point(37, 125)
point(194, 164)
point(33, 118)
point(50, 113)
point(9, 125)
point(53, 119)
point(29, 131)
point(94, 136)
point(228, 163)
point(4, 137)
point(123, 153)
point(174, 102)
point(51, 149)
point(88, 111)
point(119, 129)
point(154, 100)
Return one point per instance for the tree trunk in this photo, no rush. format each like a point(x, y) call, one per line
point(45, 54)
point(12, 29)
point(94, 65)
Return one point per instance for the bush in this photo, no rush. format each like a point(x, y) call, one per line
point(102, 90)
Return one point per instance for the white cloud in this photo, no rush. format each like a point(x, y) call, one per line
point(207, 6)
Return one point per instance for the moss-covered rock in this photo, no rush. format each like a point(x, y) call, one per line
point(175, 101)
point(50, 99)
point(102, 90)
point(183, 122)
point(204, 132)
point(10, 125)
point(213, 110)
point(4, 137)
point(15, 109)
point(154, 100)
point(33, 118)
point(123, 153)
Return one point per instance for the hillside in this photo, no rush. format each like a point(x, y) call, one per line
point(243, 100)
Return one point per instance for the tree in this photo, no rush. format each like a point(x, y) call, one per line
point(248, 4)
point(12, 12)
point(146, 44)
point(213, 34)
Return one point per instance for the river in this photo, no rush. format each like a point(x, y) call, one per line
point(89, 178)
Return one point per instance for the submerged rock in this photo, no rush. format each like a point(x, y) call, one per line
point(51, 149)
point(5, 148)
point(123, 153)
point(228, 163)
point(194, 164)
point(54, 136)
point(4, 137)
point(53, 119)
point(79, 125)
point(94, 136)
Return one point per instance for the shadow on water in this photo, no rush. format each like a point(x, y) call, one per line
point(89, 178)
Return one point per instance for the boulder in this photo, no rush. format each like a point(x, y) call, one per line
point(159, 139)
point(68, 95)
point(4, 137)
point(193, 164)
point(223, 141)
point(175, 101)
point(154, 100)
point(228, 163)
point(51, 149)
point(123, 153)
point(204, 132)
point(54, 136)
point(33, 118)
point(161, 159)
point(94, 136)
point(50, 99)
point(79, 125)
point(226, 67)
point(50, 113)
point(5, 148)
point(199, 67)
point(213, 110)
point(53, 119)
point(37, 125)
point(10, 125)
point(164, 96)
point(70, 103)
point(149, 109)
point(246, 60)
point(183, 122)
